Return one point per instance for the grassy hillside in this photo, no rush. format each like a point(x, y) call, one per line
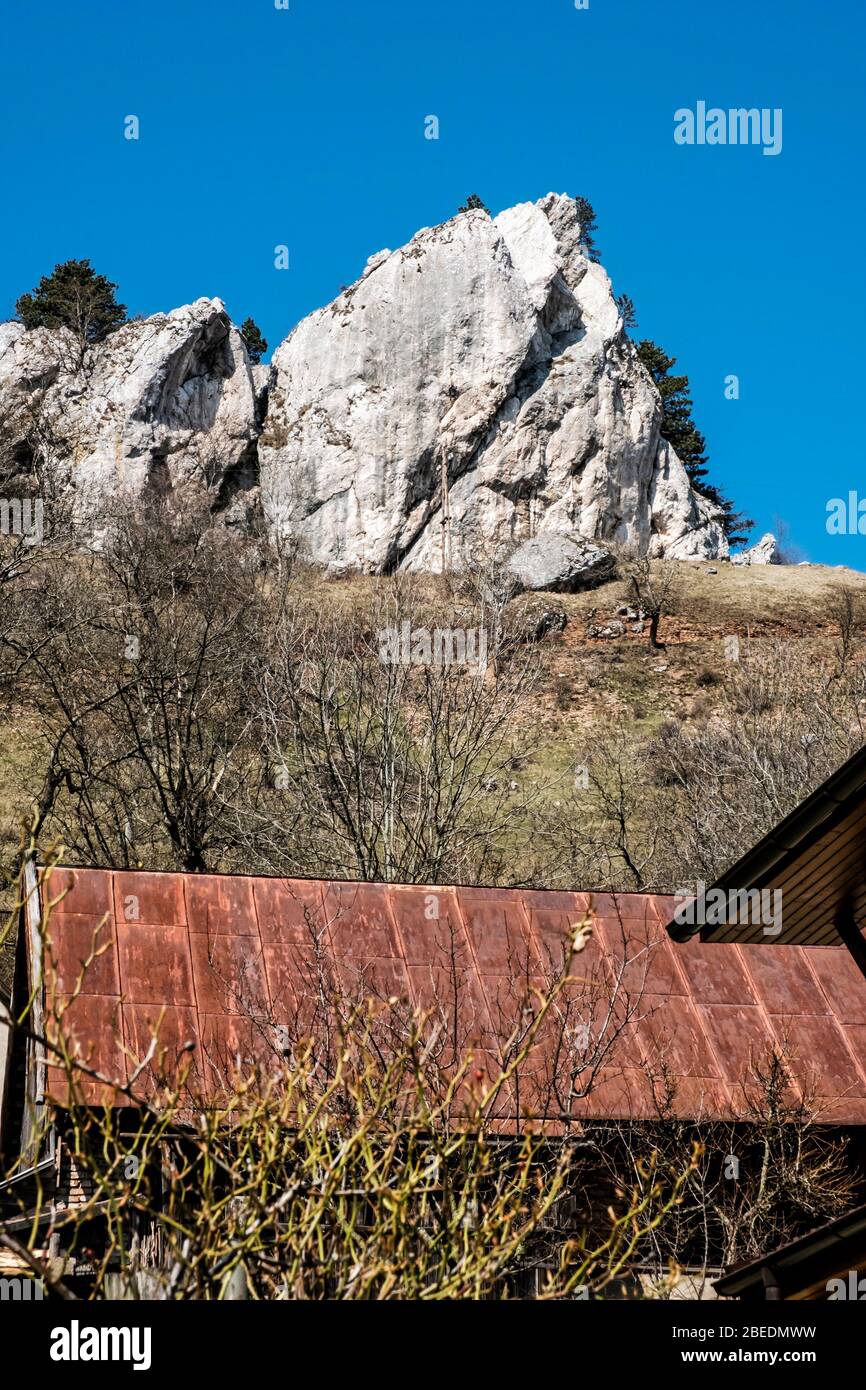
point(589, 678)
point(650, 725)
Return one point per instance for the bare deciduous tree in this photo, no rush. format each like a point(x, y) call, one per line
point(142, 663)
point(653, 584)
point(391, 768)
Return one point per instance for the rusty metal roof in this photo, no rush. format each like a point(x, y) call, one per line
point(234, 965)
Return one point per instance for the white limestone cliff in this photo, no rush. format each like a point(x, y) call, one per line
point(161, 401)
point(471, 391)
point(486, 358)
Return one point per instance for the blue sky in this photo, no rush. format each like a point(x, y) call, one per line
point(305, 127)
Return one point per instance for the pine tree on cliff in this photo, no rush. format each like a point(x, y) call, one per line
point(680, 430)
point(625, 304)
point(255, 341)
point(73, 296)
point(588, 224)
point(474, 204)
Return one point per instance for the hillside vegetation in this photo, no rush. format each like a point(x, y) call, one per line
point(185, 698)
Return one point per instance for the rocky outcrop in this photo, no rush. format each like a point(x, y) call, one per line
point(474, 389)
point(533, 620)
point(162, 401)
point(766, 552)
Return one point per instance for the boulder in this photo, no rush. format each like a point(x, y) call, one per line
point(606, 630)
point(563, 564)
point(535, 620)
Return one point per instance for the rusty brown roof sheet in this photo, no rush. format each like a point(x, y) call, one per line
point(228, 963)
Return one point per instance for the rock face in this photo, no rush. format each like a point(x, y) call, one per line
point(471, 391)
point(552, 561)
point(162, 401)
point(766, 552)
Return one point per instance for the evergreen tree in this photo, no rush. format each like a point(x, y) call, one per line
point(680, 430)
point(588, 224)
point(256, 342)
point(473, 203)
point(73, 296)
point(625, 304)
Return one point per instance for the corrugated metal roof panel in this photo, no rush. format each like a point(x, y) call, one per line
point(228, 967)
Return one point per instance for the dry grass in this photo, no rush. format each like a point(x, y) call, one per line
point(775, 594)
point(591, 683)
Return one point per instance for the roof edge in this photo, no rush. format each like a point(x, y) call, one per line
point(790, 837)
